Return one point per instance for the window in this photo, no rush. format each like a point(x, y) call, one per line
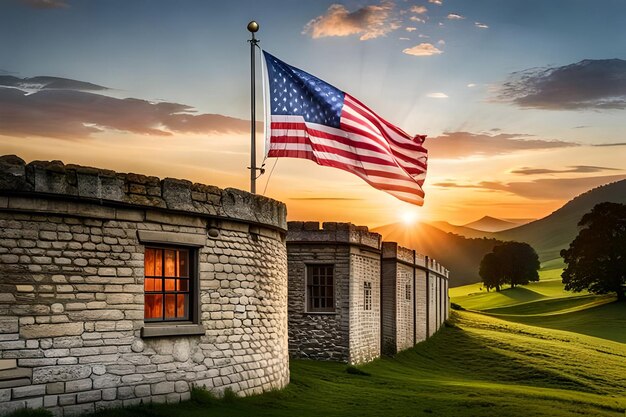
point(320, 288)
point(367, 295)
point(408, 291)
point(167, 284)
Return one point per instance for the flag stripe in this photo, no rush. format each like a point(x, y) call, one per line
point(346, 143)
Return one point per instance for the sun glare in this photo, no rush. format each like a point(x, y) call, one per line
point(409, 217)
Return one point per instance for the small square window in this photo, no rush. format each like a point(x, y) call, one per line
point(320, 288)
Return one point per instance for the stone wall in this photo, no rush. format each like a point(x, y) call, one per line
point(350, 333)
point(406, 320)
point(72, 331)
point(321, 336)
point(364, 332)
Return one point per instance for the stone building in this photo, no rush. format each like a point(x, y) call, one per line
point(117, 289)
point(414, 297)
point(334, 291)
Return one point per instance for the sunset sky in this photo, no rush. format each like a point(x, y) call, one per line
point(523, 101)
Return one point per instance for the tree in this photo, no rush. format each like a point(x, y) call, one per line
point(596, 258)
point(513, 263)
point(489, 271)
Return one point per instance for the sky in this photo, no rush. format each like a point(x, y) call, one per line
point(523, 102)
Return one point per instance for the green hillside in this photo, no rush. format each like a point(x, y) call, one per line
point(556, 231)
point(546, 304)
point(477, 366)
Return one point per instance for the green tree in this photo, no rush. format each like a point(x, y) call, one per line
point(596, 259)
point(513, 263)
point(489, 271)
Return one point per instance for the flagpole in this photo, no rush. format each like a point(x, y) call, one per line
point(253, 27)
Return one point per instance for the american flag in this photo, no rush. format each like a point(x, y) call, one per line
point(311, 119)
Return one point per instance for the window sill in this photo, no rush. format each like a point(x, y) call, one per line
point(171, 329)
point(321, 313)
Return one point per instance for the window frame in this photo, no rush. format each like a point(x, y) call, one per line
point(190, 313)
point(179, 240)
point(308, 296)
point(368, 296)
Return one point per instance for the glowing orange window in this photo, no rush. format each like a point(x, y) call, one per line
point(166, 284)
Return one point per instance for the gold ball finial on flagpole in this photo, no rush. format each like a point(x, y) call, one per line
point(253, 26)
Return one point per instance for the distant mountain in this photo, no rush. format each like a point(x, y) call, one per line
point(459, 230)
point(460, 255)
point(556, 231)
point(491, 224)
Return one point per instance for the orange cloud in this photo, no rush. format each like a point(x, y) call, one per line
point(423, 49)
point(68, 114)
point(418, 9)
point(369, 22)
point(544, 188)
point(464, 144)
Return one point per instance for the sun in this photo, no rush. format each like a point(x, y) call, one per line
point(409, 217)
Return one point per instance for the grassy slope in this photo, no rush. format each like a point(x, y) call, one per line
point(546, 304)
point(489, 363)
point(481, 366)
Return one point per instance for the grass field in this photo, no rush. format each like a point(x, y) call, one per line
point(546, 304)
point(529, 351)
point(477, 366)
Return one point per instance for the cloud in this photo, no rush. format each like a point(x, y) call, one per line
point(578, 169)
point(481, 25)
point(421, 35)
point(418, 9)
point(463, 144)
point(410, 29)
point(423, 49)
point(441, 42)
point(72, 114)
point(437, 95)
point(404, 39)
point(369, 22)
point(437, 2)
point(46, 4)
point(588, 84)
point(417, 19)
point(34, 84)
point(542, 189)
point(471, 85)
point(454, 16)
point(611, 144)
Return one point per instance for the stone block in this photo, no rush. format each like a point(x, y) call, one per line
point(142, 390)
point(89, 396)
point(29, 391)
point(78, 385)
point(36, 331)
point(8, 325)
point(60, 373)
point(33, 403)
point(55, 388)
point(163, 388)
point(50, 401)
point(109, 394)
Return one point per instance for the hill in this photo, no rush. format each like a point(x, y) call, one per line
point(478, 365)
point(459, 230)
point(556, 231)
point(491, 224)
point(460, 255)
